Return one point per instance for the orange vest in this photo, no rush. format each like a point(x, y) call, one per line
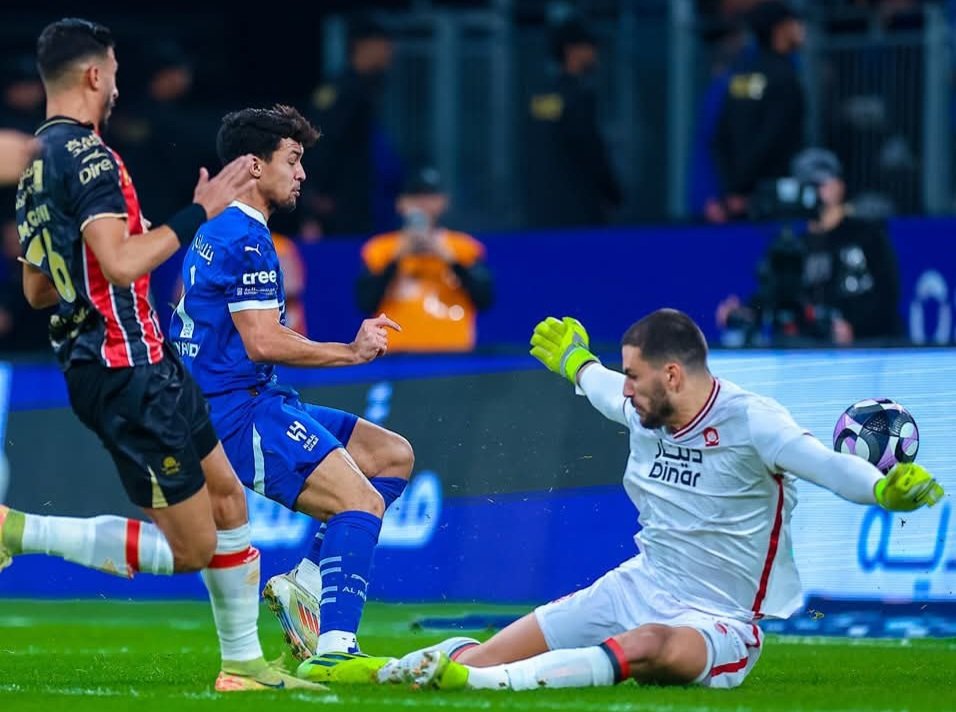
point(426, 298)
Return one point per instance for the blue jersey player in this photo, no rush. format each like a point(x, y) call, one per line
point(229, 329)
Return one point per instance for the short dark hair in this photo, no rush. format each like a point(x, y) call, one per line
point(67, 41)
point(259, 132)
point(668, 335)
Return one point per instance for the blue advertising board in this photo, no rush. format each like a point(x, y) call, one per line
point(621, 273)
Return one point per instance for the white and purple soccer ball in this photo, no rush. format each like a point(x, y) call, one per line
point(879, 430)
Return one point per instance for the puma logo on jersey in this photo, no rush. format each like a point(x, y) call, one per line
point(252, 248)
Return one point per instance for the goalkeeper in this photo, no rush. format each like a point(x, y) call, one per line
point(711, 472)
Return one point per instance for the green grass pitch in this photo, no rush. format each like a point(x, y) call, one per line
point(102, 656)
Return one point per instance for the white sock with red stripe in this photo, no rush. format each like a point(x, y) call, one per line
point(575, 667)
point(108, 543)
point(233, 582)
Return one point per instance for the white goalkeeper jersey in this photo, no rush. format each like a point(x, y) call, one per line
point(713, 508)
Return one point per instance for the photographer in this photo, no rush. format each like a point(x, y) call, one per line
point(429, 279)
point(836, 283)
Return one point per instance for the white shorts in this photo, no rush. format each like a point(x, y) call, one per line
point(628, 597)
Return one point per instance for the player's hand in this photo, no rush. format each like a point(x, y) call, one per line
point(562, 346)
point(372, 338)
point(215, 194)
point(906, 487)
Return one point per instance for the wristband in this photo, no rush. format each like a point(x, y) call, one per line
point(574, 359)
point(186, 222)
point(878, 490)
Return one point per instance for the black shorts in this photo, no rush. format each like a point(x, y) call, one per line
point(154, 422)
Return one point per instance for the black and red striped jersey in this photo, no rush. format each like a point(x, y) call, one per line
point(76, 179)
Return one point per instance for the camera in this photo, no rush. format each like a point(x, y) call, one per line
point(780, 313)
point(786, 199)
point(417, 227)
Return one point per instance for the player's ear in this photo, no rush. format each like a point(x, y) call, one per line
point(91, 75)
point(256, 169)
point(673, 375)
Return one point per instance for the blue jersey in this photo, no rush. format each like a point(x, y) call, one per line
point(231, 266)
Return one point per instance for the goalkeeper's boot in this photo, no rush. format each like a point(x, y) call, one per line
point(426, 669)
point(344, 668)
point(297, 611)
point(260, 676)
point(11, 534)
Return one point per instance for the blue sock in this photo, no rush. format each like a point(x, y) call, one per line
point(390, 488)
point(346, 560)
point(315, 550)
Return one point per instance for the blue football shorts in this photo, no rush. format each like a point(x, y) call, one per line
point(274, 440)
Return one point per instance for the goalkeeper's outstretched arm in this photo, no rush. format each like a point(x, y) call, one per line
point(604, 389)
point(906, 487)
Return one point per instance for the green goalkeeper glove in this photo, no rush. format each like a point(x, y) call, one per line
point(562, 346)
point(906, 487)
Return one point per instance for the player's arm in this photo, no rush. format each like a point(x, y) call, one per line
point(562, 345)
point(125, 258)
point(848, 476)
point(604, 389)
point(268, 341)
point(906, 487)
point(37, 287)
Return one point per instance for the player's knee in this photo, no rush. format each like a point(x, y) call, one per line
point(656, 655)
point(645, 647)
point(402, 456)
point(358, 499)
point(372, 503)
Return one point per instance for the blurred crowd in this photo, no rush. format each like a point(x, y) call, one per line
point(749, 154)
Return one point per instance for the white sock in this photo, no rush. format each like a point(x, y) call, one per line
point(307, 573)
point(336, 641)
point(453, 647)
point(233, 582)
point(576, 667)
point(112, 544)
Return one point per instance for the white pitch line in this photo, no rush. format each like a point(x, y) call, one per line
point(37, 650)
point(31, 621)
point(72, 691)
point(506, 701)
point(835, 641)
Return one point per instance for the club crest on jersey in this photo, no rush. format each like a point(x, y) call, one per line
point(171, 466)
point(711, 437)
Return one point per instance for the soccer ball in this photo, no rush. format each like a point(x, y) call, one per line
point(879, 430)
